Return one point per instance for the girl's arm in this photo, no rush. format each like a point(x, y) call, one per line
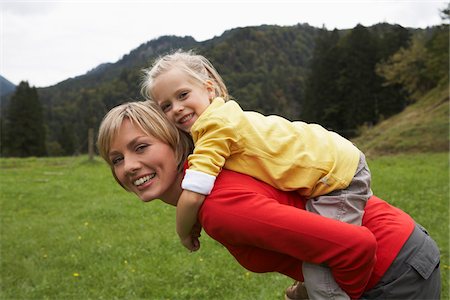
point(213, 145)
point(186, 218)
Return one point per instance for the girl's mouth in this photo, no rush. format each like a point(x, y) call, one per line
point(186, 118)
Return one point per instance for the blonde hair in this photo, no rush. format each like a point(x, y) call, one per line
point(196, 66)
point(150, 119)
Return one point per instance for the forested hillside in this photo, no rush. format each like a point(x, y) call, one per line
point(335, 78)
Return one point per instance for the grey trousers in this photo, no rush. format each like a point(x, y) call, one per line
point(344, 205)
point(414, 274)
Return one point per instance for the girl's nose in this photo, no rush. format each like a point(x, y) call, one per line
point(178, 107)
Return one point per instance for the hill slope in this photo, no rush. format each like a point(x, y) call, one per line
point(421, 127)
point(6, 86)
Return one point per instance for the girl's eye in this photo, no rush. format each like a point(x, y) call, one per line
point(165, 107)
point(183, 95)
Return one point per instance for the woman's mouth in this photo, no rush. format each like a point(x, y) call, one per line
point(144, 179)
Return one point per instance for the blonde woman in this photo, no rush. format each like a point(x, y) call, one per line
point(268, 230)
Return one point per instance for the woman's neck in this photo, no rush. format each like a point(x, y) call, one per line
point(174, 192)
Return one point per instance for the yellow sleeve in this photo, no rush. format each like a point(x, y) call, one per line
point(214, 137)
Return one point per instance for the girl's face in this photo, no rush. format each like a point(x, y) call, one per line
point(143, 164)
point(181, 98)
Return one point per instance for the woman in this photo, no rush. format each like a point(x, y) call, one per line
point(268, 230)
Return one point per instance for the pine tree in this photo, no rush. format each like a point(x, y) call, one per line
point(390, 99)
point(320, 104)
point(357, 85)
point(24, 126)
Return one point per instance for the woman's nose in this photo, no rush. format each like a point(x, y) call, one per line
point(131, 165)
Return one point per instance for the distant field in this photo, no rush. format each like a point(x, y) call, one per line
point(68, 231)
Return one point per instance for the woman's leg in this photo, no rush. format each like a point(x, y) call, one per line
point(414, 274)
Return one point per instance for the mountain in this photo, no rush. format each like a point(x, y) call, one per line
point(6, 87)
point(264, 67)
point(235, 55)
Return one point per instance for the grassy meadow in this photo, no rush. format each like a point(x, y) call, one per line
point(68, 231)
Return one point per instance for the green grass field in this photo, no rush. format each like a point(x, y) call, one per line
point(68, 231)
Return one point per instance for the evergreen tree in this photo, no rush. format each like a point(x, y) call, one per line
point(24, 125)
point(342, 91)
point(357, 83)
point(390, 39)
point(67, 139)
point(390, 99)
point(320, 105)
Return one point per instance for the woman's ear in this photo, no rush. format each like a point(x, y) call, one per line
point(211, 90)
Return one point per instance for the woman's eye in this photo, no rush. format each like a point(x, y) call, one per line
point(141, 147)
point(116, 160)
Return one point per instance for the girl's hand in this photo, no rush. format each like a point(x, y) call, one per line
point(196, 230)
point(192, 242)
point(188, 228)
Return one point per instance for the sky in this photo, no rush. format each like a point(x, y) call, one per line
point(46, 42)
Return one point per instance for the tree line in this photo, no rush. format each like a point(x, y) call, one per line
point(360, 79)
point(342, 79)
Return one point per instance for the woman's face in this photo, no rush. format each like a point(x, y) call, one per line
point(143, 164)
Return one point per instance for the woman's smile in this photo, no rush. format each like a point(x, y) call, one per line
point(142, 163)
point(143, 180)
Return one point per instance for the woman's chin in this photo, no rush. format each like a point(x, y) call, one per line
point(145, 199)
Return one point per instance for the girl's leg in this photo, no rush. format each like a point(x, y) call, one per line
point(346, 206)
point(320, 284)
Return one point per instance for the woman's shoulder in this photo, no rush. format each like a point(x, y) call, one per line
point(230, 179)
point(231, 184)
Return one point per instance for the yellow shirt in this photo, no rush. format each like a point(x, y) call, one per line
point(287, 155)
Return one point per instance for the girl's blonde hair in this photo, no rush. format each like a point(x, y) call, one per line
point(150, 119)
point(196, 66)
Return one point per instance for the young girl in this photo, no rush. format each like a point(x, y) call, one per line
point(319, 164)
